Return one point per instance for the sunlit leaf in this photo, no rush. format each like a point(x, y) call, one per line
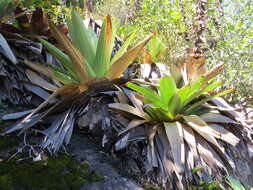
point(225, 135)
point(234, 183)
point(80, 37)
point(123, 48)
point(214, 71)
point(74, 54)
point(188, 111)
point(174, 134)
point(104, 48)
point(58, 54)
point(148, 93)
point(167, 89)
point(119, 66)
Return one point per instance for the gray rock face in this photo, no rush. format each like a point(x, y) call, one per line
point(82, 148)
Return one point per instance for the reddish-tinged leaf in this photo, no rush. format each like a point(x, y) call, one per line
point(74, 54)
point(118, 67)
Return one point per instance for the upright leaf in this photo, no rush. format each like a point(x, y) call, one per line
point(74, 54)
point(80, 37)
point(119, 66)
point(104, 48)
point(123, 48)
point(167, 89)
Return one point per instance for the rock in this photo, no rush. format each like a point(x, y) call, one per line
point(83, 148)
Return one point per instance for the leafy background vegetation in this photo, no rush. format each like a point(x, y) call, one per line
point(228, 34)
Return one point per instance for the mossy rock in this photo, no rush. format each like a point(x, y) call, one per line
point(61, 172)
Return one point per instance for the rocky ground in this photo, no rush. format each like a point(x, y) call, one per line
point(85, 166)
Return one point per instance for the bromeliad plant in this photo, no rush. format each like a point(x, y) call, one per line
point(87, 64)
point(87, 57)
point(183, 126)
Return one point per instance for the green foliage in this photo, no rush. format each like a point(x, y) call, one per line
point(202, 185)
point(213, 185)
point(234, 47)
point(57, 10)
point(169, 102)
point(228, 34)
point(57, 173)
point(178, 113)
point(119, 9)
point(89, 56)
point(234, 183)
point(6, 6)
point(155, 51)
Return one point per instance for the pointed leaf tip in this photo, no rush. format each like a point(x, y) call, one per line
point(119, 66)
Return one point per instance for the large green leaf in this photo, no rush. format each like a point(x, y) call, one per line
point(80, 37)
point(148, 93)
point(74, 54)
point(173, 106)
point(120, 65)
point(104, 48)
point(200, 92)
point(234, 183)
point(187, 91)
point(167, 89)
point(192, 107)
